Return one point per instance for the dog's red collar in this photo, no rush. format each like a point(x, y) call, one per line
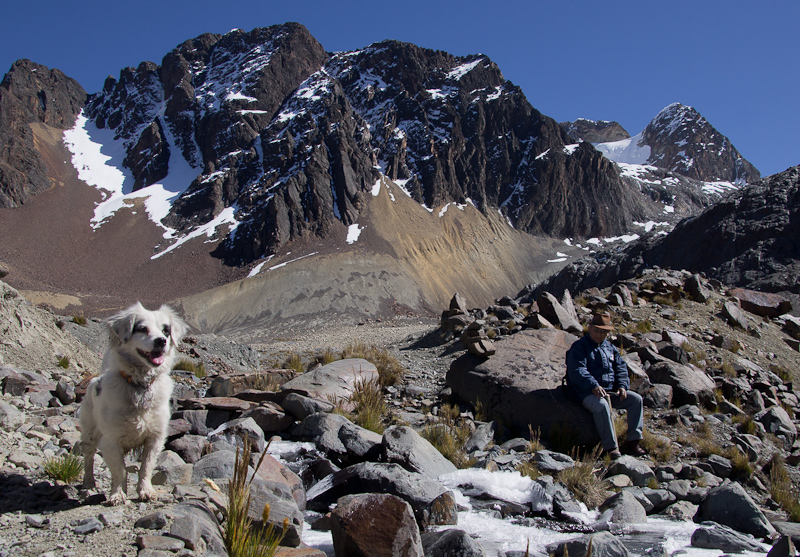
point(129, 379)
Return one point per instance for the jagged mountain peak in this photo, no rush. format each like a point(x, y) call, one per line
point(681, 140)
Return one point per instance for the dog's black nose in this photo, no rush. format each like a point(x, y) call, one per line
point(160, 342)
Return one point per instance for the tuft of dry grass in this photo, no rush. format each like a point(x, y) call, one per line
point(368, 405)
point(783, 491)
point(79, 319)
point(659, 448)
point(740, 464)
point(389, 369)
point(187, 364)
point(241, 538)
point(293, 361)
point(328, 357)
point(620, 426)
point(481, 411)
point(528, 468)
point(585, 479)
point(265, 382)
point(535, 440)
point(63, 362)
point(746, 423)
point(449, 436)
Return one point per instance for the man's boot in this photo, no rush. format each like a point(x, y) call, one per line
point(632, 448)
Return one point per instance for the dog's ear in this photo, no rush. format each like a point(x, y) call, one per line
point(120, 325)
point(178, 327)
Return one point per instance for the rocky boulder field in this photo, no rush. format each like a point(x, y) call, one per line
point(716, 367)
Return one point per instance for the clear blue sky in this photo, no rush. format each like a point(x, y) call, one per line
point(737, 62)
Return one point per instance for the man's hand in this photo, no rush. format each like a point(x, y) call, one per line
point(599, 392)
point(622, 393)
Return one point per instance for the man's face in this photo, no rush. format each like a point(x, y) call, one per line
point(597, 335)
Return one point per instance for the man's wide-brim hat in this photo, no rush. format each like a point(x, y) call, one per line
point(602, 321)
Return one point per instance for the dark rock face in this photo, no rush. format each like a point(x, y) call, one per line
point(31, 93)
point(748, 239)
point(681, 140)
point(455, 129)
point(293, 138)
point(594, 131)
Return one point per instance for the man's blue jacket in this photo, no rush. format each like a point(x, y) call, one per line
point(590, 364)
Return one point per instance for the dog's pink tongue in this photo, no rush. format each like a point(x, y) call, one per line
point(157, 360)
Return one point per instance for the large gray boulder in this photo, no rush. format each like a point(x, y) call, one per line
point(216, 466)
point(730, 505)
point(450, 543)
point(557, 314)
point(354, 531)
point(690, 385)
point(236, 431)
point(735, 316)
point(406, 447)
point(339, 438)
point(431, 501)
point(274, 470)
point(282, 505)
point(777, 421)
point(711, 535)
point(334, 380)
point(195, 524)
point(625, 508)
point(521, 385)
point(638, 471)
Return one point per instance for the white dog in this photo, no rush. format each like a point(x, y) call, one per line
point(127, 406)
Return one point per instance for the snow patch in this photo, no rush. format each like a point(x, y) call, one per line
point(460, 71)
point(98, 157)
point(226, 216)
point(285, 263)
point(649, 225)
point(625, 150)
point(257, 269)
point(353, 232)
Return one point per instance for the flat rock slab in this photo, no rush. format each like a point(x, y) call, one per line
point(216, 403)
point(336, 379)
point(521, 384)
point(762, 303)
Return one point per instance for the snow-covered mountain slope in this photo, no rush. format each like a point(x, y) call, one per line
point(284, 140)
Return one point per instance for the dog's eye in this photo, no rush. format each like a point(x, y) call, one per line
point(166, 330)
point(140, 329)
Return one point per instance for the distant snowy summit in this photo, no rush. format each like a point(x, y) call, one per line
point(678, 139)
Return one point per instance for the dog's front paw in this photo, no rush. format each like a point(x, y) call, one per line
point(148, 494)
point(117, 498)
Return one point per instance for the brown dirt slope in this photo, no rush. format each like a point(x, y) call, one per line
point(405, 259)
point(48, 246)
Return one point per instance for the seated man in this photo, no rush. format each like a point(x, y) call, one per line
point(598, 376)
